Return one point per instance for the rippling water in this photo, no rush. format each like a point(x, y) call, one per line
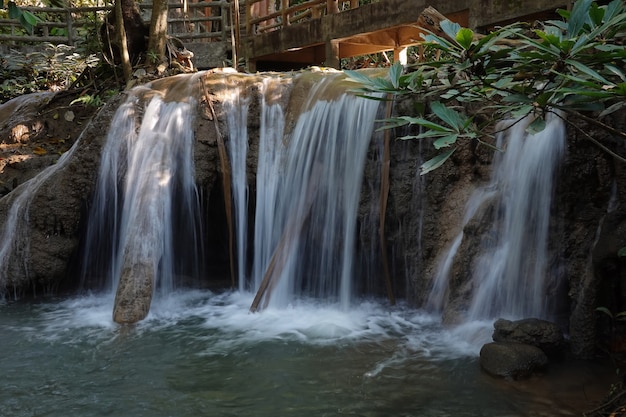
point(203, 354)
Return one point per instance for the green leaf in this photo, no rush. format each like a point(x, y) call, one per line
point(536, 126)
point(359, 77)
point(622, 252)
point(30, 18)
point(446, 141)
point(394, 74)
point(435, 162)
point(578, 17)
point(450, 28)
point(522, 111)
point(465, 37)
point(14, 11)
point(596, 14)
point(605, 311)
point(612, 109)
point(616, 71)
point(448, 115)
point(588, 71)
point(517, 98)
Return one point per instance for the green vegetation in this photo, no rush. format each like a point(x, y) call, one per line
point(574, 67)
point(55, 68)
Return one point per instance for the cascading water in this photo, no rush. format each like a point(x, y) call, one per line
point(143, 172)
point(510, 277)
point(511, 280)
point(316, 195)
point(236, 107)
point(270, 169)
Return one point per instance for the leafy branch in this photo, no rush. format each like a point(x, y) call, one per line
point(576, 65)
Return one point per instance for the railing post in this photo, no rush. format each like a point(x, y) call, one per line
point(70, 28)
point(284, 5)
point(248, 17)
point(332, 6)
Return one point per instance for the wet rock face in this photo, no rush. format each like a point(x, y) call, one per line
point(512, 360)
point(543, 334)
point(50, 208)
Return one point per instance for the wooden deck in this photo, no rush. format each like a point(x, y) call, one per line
point(340, 29)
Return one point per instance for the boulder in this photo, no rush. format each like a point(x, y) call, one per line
point(512, 360)
point(543, 334)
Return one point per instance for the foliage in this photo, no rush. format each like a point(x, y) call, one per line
point(26, 18)
point(54, 68)
point(576, 66)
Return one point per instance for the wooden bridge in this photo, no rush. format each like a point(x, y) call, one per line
point(288, 34)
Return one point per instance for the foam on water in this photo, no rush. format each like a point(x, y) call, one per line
point(225, 325)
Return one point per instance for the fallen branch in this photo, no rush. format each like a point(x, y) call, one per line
point(279, 257)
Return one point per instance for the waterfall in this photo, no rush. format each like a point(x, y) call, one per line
point(236, 109)
point(14, 237)
point(312, 197)
point(134, 221)
point(270, 169)
point(510, 277)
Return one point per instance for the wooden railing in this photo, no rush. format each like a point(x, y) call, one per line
point(204, 21)
point(261, 15)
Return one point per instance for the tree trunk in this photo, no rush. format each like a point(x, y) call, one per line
point(158, 30)
point(127, 67)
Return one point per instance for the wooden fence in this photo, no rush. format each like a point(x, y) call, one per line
point(263, 15)
point(202, 21)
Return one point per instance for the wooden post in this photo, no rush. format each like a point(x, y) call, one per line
point(332, 6)
point(332, 55)
point(400, 55)
point(235, 34)
point(70, 28)
point(284, 6)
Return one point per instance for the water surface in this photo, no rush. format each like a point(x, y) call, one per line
point(203, 354)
